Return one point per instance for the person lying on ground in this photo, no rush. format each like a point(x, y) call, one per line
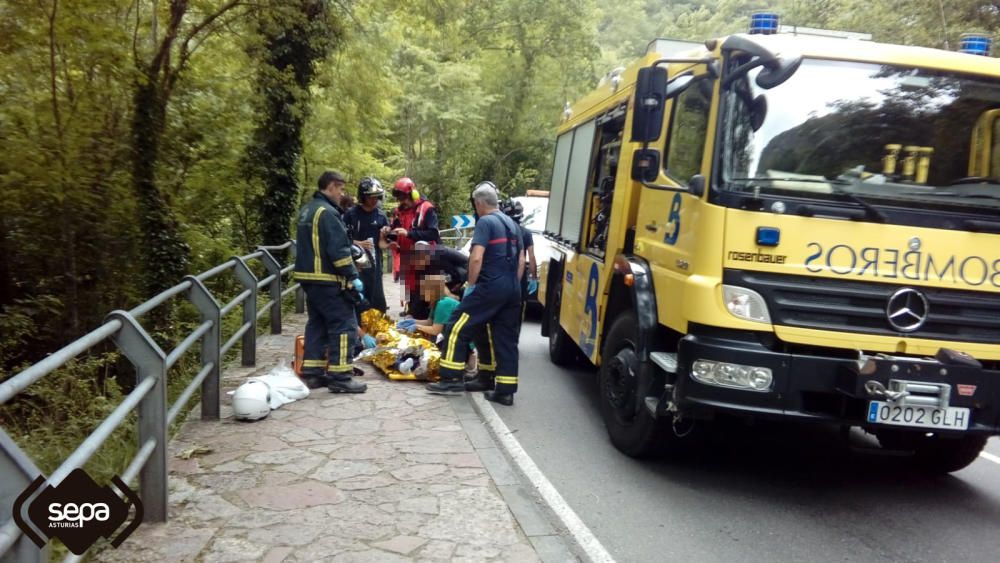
point(434, 289)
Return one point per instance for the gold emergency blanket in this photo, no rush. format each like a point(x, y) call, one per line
point(392, 346)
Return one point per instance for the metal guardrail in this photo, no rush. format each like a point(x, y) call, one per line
point(150, 394)
point(456, 238)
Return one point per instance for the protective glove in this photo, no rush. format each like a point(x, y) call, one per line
point(359, 287)
point(408, 325)
point(368, 341)
point(532, 286)
point(468, 290)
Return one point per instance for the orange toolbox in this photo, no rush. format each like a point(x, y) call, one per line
point(300, 352)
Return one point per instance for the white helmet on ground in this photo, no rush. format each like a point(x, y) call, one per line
point(251, 401)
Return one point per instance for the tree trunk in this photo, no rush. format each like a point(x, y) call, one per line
point(164, 253)
point(302, 38)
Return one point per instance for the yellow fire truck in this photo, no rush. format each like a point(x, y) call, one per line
point(784, 226)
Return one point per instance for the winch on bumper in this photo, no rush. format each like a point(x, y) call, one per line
point(726, 373)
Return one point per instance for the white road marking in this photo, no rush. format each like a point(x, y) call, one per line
point(989, 456)
point(586, 539)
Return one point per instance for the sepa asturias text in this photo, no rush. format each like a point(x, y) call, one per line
point(914, 265)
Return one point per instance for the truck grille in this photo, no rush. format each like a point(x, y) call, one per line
point(857, 306)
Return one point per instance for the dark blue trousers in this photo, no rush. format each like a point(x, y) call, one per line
point(490, 316)
point(331, 331)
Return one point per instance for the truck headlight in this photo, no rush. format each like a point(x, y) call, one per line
point(745, 303)
point(735, 376)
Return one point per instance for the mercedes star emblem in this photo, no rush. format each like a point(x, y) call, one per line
point(907, 310)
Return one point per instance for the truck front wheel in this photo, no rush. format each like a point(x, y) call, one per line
point(938, 455)
point(935, 454)
point(631, 427)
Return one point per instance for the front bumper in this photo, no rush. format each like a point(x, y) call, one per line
point(824, 385)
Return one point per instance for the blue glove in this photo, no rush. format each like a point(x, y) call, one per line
point(368, 341)
point(408, 325)
point(532, 286)
point(358, 286)
point(468, 290)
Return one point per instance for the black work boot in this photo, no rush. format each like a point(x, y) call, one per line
point(484, 382)
point(348, 385)
point(505, 399)
point(315, 380)
point(446, 387)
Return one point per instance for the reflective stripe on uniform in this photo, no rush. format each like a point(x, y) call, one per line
point(451, 365)
point(314, 363)
point(345, 361)
point(317, 263)
point(343, 351)
point(343, 262)
point(493, 355)
point(318, 276)
point(507, 379)
point(452, 338)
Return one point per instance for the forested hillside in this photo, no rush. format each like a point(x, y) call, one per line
point(142, 140)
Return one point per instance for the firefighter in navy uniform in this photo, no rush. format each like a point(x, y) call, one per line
point(367, 226)
point(490, 311)
point(529, 281)
point(325, 268)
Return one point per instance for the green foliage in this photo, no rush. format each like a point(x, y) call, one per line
point(50, 419)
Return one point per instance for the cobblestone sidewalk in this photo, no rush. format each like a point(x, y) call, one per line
point(388, 475)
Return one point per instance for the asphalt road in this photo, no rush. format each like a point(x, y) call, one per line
point(769, 492)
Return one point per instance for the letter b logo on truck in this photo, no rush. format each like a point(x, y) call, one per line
point(78, 511)
point(674, 220)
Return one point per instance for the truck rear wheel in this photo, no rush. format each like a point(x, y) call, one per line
point(935, 454)
point(631, 427)
point(562, 349)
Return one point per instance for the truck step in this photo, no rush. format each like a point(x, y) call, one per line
point(666, 360)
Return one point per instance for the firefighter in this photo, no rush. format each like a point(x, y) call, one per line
point(490, 309)
point(415, 220)
point(325, 268)
point(529, 282)
point(367, 226)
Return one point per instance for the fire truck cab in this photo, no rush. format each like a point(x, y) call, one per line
point(790, 227)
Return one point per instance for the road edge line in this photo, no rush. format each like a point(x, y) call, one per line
point(990, 457)
point(582, 536)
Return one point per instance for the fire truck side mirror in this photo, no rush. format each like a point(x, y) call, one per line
point(645, 165)
point(650, 98)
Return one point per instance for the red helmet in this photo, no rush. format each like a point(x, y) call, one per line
point(404, 184)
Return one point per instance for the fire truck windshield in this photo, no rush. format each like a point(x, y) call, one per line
point(872, 133)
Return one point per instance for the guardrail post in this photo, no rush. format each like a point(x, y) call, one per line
point(210, 311)
point(249, 281)
point(17, 471)
point(300, 296)
point(149, 361)
point(300, 301)
point(274, 268)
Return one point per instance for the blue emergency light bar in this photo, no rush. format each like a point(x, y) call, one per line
point(763, 23)
point(976, 44)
